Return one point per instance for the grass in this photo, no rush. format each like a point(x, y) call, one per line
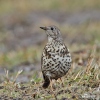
point(88, 31)
point(81, 82)
point(13, 58)
point(69, 5)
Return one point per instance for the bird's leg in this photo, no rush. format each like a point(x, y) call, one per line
point(51, 85)
point(52, 89)
point(62, 82)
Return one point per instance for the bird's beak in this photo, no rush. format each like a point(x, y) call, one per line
point(44, 28)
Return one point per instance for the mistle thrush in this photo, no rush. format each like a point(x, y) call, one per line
point(56, 59)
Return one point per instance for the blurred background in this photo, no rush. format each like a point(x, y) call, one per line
point(22, 41)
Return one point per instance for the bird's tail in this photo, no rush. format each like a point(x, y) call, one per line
point(46, 81)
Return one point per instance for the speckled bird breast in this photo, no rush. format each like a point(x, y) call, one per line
point(56, 60)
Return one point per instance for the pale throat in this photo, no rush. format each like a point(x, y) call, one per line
point(50, 39)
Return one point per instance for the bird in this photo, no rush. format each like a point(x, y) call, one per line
point(56, 58)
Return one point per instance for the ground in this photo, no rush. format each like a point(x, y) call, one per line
point(22, 43)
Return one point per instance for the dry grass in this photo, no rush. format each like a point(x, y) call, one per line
point(81, 82)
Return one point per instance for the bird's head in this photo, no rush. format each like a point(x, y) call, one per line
point(53, 33)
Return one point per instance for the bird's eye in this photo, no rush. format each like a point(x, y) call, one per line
point(51, 28)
